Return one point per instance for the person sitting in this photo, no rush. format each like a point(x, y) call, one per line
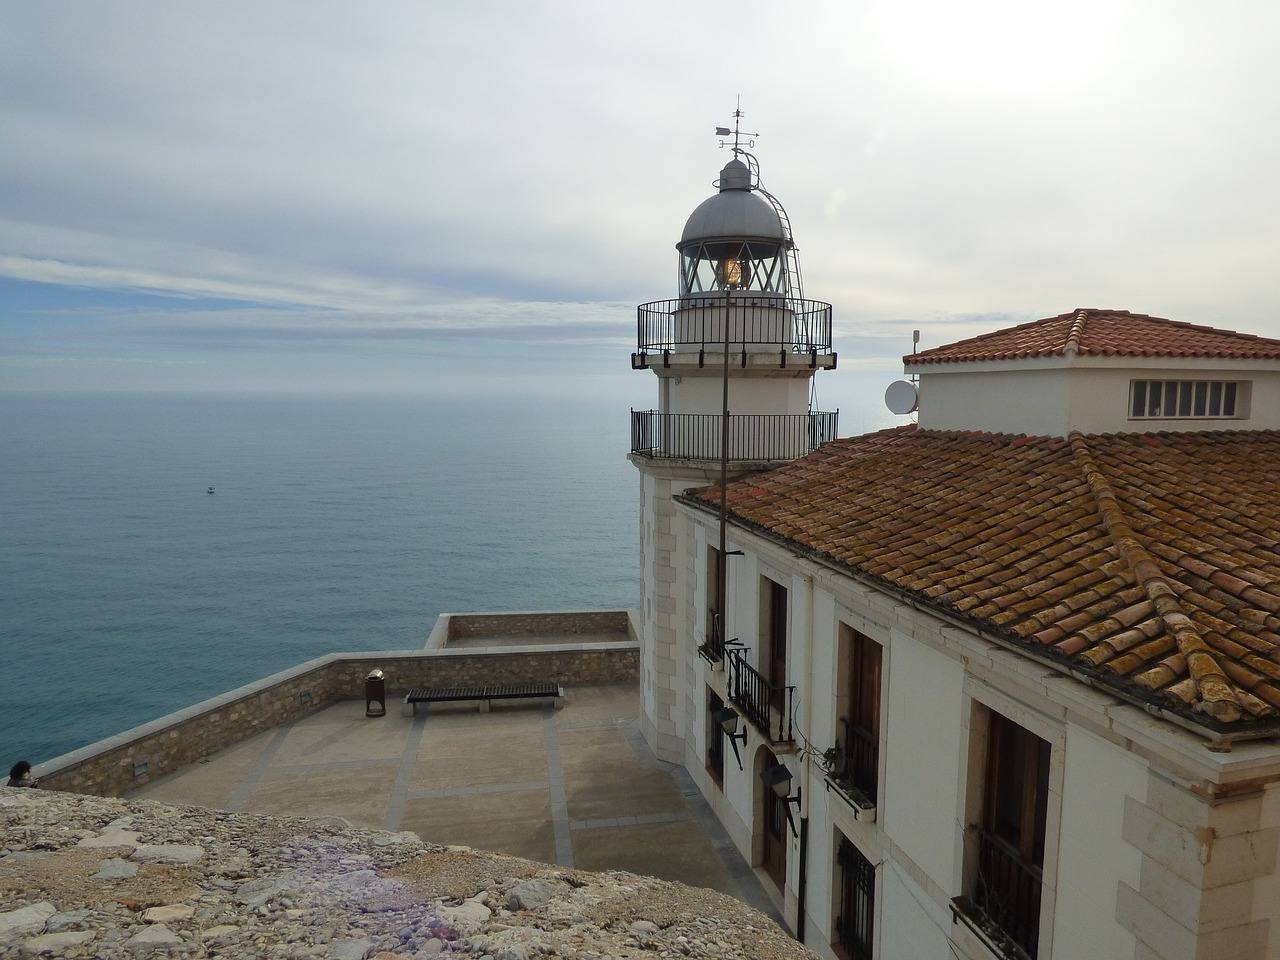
point(20, 775)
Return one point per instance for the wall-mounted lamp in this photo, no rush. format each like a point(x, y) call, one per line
point(778, 779)
point(727, 719)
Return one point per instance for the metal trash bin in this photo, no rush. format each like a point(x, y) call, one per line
point(375, 694)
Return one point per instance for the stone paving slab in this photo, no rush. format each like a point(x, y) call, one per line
point(672, 851)
point(574, 786)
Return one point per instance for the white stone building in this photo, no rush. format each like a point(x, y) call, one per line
point(1016, 670)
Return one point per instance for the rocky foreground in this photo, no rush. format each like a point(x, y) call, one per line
point(93, 877)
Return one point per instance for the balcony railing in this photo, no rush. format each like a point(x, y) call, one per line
point(761, 437)
point(763, 320)
point(768, 707)
point(862, 759)
point(1006, 897)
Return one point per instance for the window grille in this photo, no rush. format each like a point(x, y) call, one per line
point(856, 920)
point(1010, 839)
point(715, 740)
point(1186, 399)
point(862, 737)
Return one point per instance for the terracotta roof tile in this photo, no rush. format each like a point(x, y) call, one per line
point(1113, 333)
point(1149, 561)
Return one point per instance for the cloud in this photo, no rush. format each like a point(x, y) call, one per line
point(419, 174)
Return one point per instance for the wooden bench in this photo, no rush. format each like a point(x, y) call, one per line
point(485, 694)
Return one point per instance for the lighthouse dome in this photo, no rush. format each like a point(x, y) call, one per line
point(735, 212)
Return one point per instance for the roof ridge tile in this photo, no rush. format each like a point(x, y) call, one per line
point(1076, 332)
point(1214, 690)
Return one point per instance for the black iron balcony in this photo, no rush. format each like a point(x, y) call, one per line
point(784, 324)
point(862, 759)
point(766, 706)
point(1005, 904)
point(753, 437)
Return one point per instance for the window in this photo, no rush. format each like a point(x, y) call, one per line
point(1187, 399)
point(774, 622)
point(713, 637)
point(855, 916)
point(1010, 838)
point(715, 740)
point(862, 734)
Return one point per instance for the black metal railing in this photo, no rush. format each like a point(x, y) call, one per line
point(768, 707)
point(856, 919)
point(791, 324)
point(752, 436)
point(862, 759)
point(1006, 893)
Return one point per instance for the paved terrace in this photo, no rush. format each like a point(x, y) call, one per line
point(575, 786)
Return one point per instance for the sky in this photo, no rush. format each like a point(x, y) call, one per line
point(452, 198)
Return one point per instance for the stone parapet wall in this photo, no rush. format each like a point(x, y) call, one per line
point(467, 625)
point(118, 764)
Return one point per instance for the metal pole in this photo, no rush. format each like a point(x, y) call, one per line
point(722, 586)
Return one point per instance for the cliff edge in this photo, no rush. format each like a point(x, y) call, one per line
point(85, 876)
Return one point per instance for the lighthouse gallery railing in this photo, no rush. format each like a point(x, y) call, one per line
point(754, 437)
point(793, 325)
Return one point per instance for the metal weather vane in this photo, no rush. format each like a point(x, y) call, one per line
point(724, 132)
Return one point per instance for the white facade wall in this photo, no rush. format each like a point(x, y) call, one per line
point(1054, 396)
point(1093, 858)
point(663, 620)
point(921, 806)
point(936, 680)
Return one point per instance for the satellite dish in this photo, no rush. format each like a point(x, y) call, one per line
point(901, 397)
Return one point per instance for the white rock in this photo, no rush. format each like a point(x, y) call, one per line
point(257, 892)
point(111, 838)
point(218, 932)
point(25, 920)
point(57, 942)
point(468, 916)
point(115, 869)
point(351, 949)
point(171, 913)
point(530, 894)
point(157, 937)
point(167, 853)
point(63, 921)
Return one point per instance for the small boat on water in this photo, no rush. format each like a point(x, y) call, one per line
point(210, 490)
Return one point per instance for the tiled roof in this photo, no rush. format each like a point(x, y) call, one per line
point(1149, 561)
point(1107, 333)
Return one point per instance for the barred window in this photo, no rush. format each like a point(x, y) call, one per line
point(856, 910)
point(1186, 399)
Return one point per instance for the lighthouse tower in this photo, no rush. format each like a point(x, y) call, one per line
point(735, 354)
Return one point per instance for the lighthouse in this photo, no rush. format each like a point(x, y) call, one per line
point(735, 354)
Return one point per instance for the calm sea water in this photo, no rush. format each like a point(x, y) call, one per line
point(338, 523)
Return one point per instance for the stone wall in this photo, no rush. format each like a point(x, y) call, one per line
point(466, 625)
point(113, 766)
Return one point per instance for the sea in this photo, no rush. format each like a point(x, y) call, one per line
point(127, 590)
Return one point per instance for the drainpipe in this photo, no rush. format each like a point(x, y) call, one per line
point(807, 673)
point(804, 877)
